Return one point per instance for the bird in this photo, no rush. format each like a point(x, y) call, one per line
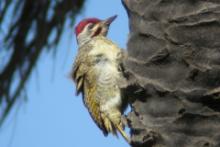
point(98, 75)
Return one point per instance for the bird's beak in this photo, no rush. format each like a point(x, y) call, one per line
point(102, 27)
point(109, 20)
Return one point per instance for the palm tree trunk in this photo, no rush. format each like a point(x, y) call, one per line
point(178, 45)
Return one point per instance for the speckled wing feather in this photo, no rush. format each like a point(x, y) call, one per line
point(93, 105)
point(80, 68)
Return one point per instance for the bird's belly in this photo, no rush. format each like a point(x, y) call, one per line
point(111, 103)
point(108, 90)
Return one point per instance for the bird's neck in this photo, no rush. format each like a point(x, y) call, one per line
point(85, 38)
point(81, 40)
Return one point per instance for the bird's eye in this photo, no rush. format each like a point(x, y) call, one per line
point(90, 26)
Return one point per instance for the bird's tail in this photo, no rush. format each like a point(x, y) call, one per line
point(111, 124)
point(123, 134)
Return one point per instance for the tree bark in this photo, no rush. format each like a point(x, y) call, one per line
point(177, 44)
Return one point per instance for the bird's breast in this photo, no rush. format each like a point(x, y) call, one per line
point(107, 72)
point(104, 49)
point(108, 88)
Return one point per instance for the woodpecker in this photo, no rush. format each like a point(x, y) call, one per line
point(98, 75)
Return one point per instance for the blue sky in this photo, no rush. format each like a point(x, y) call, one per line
point(53, 116)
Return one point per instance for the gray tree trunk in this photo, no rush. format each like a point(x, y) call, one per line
point(178, 45)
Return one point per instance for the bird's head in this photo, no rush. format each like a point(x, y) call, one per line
point(91, 27)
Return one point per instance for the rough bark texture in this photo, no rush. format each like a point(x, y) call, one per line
point(178, 43)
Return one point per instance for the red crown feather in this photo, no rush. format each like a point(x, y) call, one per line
point(83, 23)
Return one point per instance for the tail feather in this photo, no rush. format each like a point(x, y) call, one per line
point(124, 135)
point(112, 126)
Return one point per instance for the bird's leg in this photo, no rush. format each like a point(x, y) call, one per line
point(126, 57)
point(124, 121)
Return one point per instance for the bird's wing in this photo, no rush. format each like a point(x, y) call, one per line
point(80, 68)
point(93, 104)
